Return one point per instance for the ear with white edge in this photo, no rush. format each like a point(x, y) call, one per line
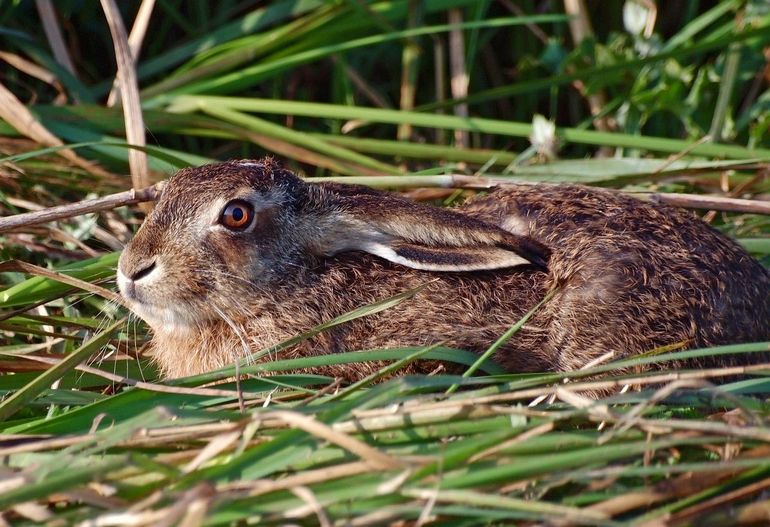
point(414, 235)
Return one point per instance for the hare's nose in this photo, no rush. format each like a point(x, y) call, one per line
point(144, 269)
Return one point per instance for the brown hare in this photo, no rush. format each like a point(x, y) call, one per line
point(241, 255)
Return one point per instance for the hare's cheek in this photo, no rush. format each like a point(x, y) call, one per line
point(230, 255)
point(188, 279)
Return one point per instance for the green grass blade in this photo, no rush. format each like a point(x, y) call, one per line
point(250, 75)
point(63, 480)
point(186, 103)
point(38, 288)
point(260, 126)
point(26, 394)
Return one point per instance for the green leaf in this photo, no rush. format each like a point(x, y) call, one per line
point(26, 394)
point(37, 288)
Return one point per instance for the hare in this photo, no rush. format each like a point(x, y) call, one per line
point(241, 255)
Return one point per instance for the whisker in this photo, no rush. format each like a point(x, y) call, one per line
point(237, 331)
point(228, 275)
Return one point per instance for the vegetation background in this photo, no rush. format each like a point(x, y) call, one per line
point(438, 99)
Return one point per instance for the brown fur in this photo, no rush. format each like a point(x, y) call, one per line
point(632, 276)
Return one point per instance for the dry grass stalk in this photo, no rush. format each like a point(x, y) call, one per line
point(129, 94)
point(529, 434)
point(30, 68)
point(459, 80)
point(135, 39)
point(320, 430)
point(697, 201)
point(16, 114)
point(565, 513)
point(129, 197)
point(16, 266)
point(312, 505)
point(679, 155)
point(410, 57)
point(52, 31)
point(474, 405)
point(717, 501)
point(216, 446)
point(681, 486)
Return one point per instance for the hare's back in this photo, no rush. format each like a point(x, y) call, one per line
point(625, 263)
point(574, 220)
point(567, 212)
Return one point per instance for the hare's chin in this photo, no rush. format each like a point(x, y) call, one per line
point(164, 319)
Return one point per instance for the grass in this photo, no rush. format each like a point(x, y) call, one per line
point(361, 92)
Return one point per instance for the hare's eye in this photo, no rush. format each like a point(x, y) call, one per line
point(237, 215)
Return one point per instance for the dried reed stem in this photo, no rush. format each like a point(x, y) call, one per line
point(129, 197)
point(129, 94)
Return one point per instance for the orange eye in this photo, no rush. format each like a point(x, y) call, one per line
point(237, 215)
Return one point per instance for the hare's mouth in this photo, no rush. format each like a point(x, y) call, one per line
point(158, 309)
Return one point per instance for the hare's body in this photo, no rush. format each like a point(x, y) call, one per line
point(631, 276)
point(468, 312)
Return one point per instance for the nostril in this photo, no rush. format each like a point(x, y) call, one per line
point(144, 271)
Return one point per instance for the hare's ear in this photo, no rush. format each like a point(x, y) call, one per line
point(417, 236)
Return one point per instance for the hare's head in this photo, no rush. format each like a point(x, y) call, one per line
point(223, 235)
